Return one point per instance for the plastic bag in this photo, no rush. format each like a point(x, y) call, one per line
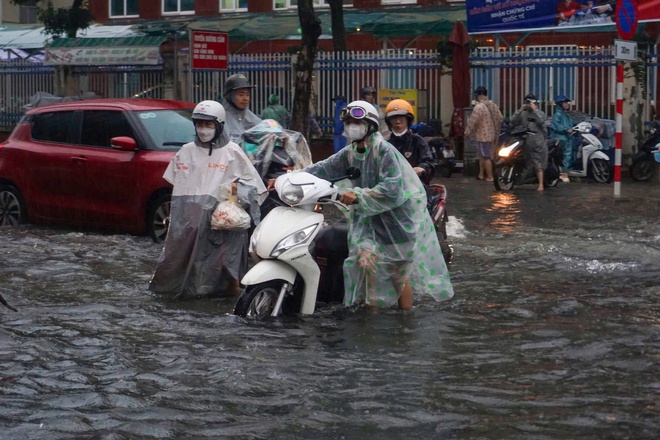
point(229, 216)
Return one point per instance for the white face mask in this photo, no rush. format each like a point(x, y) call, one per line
point(205, 134)
point(355, 132)
point(399, 133)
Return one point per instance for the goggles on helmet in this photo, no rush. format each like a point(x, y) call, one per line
point(353, 112)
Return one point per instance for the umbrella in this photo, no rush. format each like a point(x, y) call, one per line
point(460, 83)
point(460, 77)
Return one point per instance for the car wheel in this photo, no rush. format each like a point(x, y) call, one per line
point(158, 217)
point(12, 206)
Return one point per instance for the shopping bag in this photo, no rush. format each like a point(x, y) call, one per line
point(229, 216)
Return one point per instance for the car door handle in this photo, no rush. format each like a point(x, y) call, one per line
point(79, 159)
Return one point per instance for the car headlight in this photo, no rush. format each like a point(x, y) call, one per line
point(292, 240)
point(505, 151)
point(291, 194)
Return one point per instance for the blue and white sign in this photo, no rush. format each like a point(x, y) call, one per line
point(486, 16)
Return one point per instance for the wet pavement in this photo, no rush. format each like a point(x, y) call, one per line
point(554, 333)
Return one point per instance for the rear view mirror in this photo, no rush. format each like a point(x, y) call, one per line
point(124, 143)
point(353, 173)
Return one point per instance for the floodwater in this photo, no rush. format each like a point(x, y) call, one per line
point(554, 333)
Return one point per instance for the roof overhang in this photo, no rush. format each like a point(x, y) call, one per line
point(382, 23)
point(105, 51)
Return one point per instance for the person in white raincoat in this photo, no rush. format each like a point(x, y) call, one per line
point(237, 94)
point(393, 247)
point(196, 259)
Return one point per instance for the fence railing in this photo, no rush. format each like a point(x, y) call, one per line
point(586, 74)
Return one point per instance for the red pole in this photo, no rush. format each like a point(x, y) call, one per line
point(619, 123)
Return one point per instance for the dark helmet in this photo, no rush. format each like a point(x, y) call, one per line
point(531, 97)
point(235, 82)
point(560, 99)
point(481, 91)
point(368, 90)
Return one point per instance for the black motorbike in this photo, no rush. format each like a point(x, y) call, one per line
point(445, 157)
point(643, 163)
point(511, 164)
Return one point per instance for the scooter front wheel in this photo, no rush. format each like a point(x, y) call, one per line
point(503, 177)
point(259, 301)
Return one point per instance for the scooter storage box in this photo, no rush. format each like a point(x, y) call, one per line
point(330, 251)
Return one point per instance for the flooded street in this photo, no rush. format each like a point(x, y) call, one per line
point(554, 333)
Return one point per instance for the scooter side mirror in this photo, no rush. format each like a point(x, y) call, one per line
point(353, 173)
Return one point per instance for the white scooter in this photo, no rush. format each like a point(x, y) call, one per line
point(285, 279)
point(590, 156)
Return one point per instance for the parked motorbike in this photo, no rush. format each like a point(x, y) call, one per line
point(511, 165)
point(643, 164)
point(299, 255)
point(445, 157)
point(590, 156)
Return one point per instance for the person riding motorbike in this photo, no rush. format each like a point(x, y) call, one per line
point(393, 250)
point(197, 259)
point(561, 129)
point(236, 100)
point(533, 119)
point(399, 117)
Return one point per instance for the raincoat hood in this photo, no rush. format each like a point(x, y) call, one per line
point(236, 122)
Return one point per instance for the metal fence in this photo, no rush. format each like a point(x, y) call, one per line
point(22, 79)
point(335, 74)
point(586, 74)
point(19, 80)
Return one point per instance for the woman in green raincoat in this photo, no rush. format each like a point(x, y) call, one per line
point(393, 247)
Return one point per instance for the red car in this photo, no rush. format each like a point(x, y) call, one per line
point(95, 164)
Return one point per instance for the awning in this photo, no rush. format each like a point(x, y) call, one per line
point(405, 22)
point(106, 51)
point(22, 37)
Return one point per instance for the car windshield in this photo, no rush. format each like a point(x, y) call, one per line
point(168, 129)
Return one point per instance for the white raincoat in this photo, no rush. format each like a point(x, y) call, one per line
point(274, 150)
point(236, 122)
point(197, 260)
point(391, 235)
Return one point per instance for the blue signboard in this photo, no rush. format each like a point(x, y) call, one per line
point(485, 16)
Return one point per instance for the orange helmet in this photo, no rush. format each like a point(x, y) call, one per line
point(399, 107)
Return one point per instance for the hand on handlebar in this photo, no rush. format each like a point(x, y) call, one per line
point(348, 198)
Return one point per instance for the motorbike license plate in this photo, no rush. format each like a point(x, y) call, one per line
point(448, 154)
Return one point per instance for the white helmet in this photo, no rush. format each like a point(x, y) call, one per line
point(209, 111)
point(361, 110)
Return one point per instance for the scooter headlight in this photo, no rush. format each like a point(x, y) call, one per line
point(292, 240)
point(506, 151)
point(255, 238)
point(291, 194)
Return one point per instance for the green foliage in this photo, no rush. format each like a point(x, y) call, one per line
point(62, 21)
